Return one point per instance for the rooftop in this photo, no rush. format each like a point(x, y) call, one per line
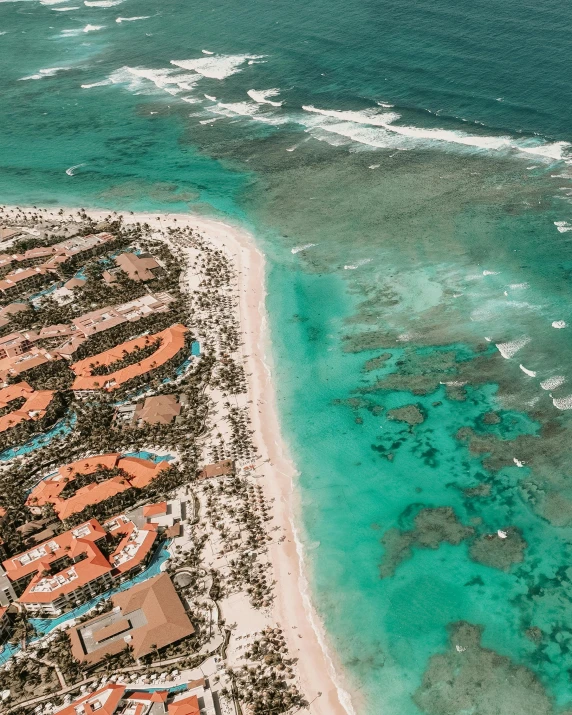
point(138, 268)
point(171, 341)
point(137, 473)
point(33, 409)
point(160, 409)
point(88, 561)
point(151, 615)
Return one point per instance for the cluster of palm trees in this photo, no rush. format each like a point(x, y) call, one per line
point(246, 539)
point(266, 683)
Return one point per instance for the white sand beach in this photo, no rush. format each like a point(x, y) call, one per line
point(320, 679)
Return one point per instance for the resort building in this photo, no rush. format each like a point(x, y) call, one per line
point(7, 232)
point(73, 567)
point(99, 320)
point(58, 253)
point(115, 699)
point(15, 366)
point(80, 328)
point(13, 345)
point(138, 268)
point(146, 618)
point(169, 343)
point(224, 468)
point(160, 409)
point(34, 407)
point(23, 275)
point(11, 309)
point(129, 472)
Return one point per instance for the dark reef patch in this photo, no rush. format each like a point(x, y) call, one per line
point(468, 678)
point(499, 552)
point(431, 528)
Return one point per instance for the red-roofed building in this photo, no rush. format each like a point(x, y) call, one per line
point(116, 699)
point(71, 568)
point(155, 509)
point(135, 472)
point(33, 409)
point(170, 342)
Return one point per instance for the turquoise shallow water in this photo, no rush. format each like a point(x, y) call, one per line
point(407, 169)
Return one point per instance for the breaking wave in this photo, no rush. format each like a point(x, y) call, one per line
point(562, 403)
point(262, 96)
point(49, 72)
point(215, 66)
point(509, 349)
point(553, 382)
point(378, 129)
point(297, 249)
point(102, 3)
point(132, 19)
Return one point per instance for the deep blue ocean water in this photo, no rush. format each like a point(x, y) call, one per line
point(407, 167)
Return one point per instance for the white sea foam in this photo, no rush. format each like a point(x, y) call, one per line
point(562, 403)
point(62, 9)
point(76, 31)
point(559, 324)
point(71, 170)
point(102, 3)
point(509, 349)
point(490, 273)
point(563, 226)
point(518, 464)
point(553, 382)
point(49, 72)
point(359, 263)
point(103, 83)
point(167, 80)
point(388, 134)
point(207, 52)
point(52, 2)
point(453, 383)
point(530, 373)
point(234, 109)
point(374, 166)
point(210, 97)
point(132, 19)
point(518, 286)
point(262, 96)
point(215, 67)
point(297, 249)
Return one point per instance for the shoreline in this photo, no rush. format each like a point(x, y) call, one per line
point(293, 608)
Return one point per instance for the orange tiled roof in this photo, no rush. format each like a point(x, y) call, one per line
point(98, 320)
point(31, 561)
point(138, 268)
point(172, 340)
point(102, 702)
point(59, 252)
point(166, 621)
point(187, 706)
point(154, 509)
point(12, 279)
point(33, 409)
point(80, 541)
point(140, 473)
point(26, 361)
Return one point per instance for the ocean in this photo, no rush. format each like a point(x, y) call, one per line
point(407, 169)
